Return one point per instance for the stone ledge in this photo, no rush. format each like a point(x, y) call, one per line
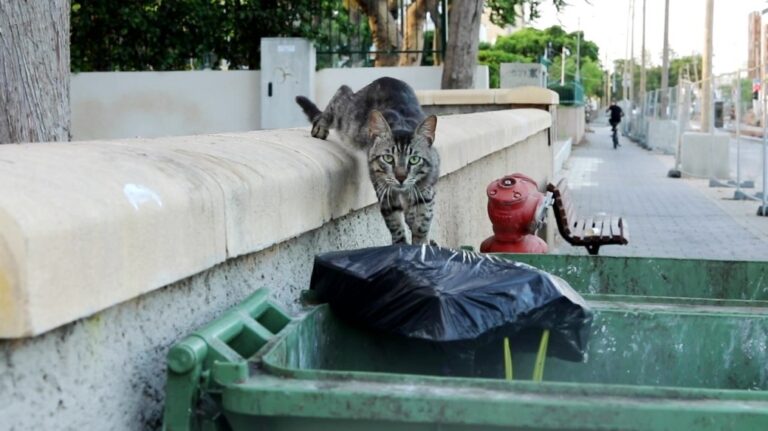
point(87, 225)
point(528, 95)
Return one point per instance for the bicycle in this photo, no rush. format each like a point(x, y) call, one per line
point(615, 135)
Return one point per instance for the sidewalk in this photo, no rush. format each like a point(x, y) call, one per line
point(666, 217)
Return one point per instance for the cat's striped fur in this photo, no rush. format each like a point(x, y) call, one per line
point(385, 119)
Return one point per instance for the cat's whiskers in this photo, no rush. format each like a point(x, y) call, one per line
point(384, 190)
point(380, 188)
point(420, 194)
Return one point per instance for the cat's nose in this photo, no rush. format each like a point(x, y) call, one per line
point(401, 176)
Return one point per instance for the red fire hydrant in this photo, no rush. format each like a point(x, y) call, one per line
point(513, 202)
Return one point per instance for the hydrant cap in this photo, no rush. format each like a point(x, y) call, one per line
point(510, 189)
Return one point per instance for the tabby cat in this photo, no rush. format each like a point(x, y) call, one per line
point(385, 119)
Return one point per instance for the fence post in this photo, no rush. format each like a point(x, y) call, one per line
point(683, 101)
point(763, 210)
point(738, 194)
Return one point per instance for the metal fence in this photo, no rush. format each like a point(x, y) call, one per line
point(737, 112)
point(355, 33)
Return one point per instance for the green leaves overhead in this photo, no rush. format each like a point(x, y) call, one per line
point(506, 12)
point(528, 45)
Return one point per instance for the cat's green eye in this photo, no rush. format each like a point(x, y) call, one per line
point(414, 160)
point(388, 158)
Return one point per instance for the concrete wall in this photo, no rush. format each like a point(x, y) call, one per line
point(662, 135)
point(116, 105)
point(560, 154)
point(571, 123)
point(420, 78)
point(81, 261)
point(705, 155)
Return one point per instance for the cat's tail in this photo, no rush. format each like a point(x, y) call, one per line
point(309, 108)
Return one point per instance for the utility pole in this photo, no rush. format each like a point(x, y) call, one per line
point(665, 64)
point(706, 71)
point(578, 52)
point(632, 59)
point(763, 209)
point(695, 67)
point(642, 70)
point(607, 91)
point(624, 71)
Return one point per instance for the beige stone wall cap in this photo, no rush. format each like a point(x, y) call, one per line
point(87, 225)
point(529, 95)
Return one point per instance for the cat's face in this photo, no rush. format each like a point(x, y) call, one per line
point(399, 160)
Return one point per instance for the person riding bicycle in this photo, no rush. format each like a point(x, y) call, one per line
point(616, 114)
point(615, 118)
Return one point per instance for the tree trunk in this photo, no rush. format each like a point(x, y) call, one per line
point(383, 30)
point(414, 33)
point(34, 71)
point(461, 49)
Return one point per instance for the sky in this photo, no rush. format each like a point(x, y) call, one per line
point(606, 22)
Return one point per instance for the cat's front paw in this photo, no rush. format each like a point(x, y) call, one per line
point(423, 241)
point(318, 130)
point(399, 240)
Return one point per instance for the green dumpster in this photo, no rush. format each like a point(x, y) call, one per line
point(656, 277)
point(651, 365)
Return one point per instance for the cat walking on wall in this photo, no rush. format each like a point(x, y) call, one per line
point(385, 119)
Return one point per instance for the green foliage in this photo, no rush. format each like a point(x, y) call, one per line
point(746, 91)
point(592, 78)
point(691, 63)
point(532, 42)
point(591, 74)
point(189, 34)
point(428, 59)
point(505, 12)
point(569, 94)
point(529, 44)
point(726, 89)
point(653, 74)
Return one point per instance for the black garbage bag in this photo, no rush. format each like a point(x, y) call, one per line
point(453, 297)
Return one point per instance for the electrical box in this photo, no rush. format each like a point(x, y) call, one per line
point(287, 71)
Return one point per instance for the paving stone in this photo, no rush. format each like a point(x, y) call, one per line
point(666, 217)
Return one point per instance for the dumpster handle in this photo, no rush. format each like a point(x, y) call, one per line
point(216, 355)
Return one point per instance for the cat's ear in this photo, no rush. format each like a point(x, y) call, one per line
point(377, 125)
point(427, 129)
